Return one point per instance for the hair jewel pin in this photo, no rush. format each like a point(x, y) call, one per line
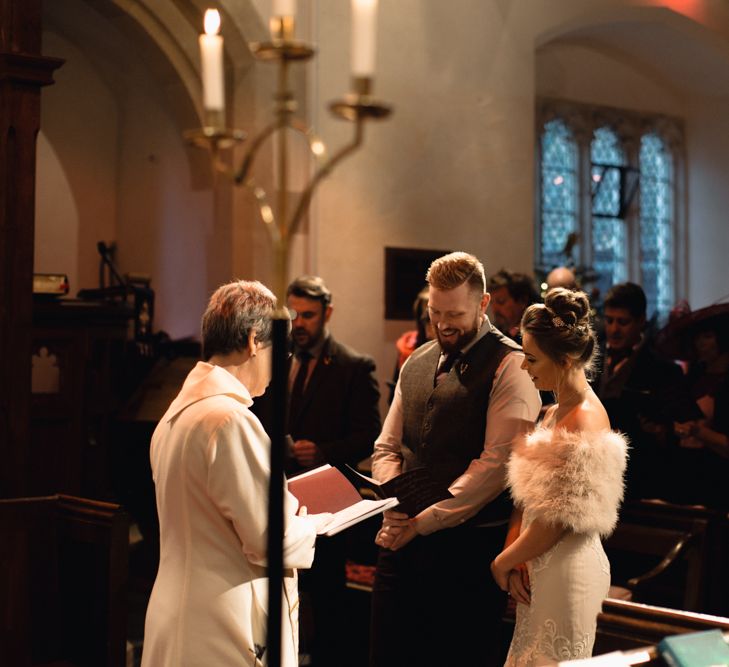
point(558, 321)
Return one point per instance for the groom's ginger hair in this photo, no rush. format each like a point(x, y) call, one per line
point(456, 268)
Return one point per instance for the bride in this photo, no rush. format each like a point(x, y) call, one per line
point(566, 479)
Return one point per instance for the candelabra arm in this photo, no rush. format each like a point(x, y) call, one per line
point(265, 209)
point(324, 171)
point(316, 145)
point(252, 152)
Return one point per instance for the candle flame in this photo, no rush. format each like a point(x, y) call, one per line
point(212, 22)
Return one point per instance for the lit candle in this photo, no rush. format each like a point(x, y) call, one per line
point(364, 21)
point(211, 56)
point(284, 7)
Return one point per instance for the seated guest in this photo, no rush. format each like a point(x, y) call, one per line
point(210, 462)
point(511, 294)
point(701, 338)
point(642, 393)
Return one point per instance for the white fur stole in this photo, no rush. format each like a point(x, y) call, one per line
point(572, 478)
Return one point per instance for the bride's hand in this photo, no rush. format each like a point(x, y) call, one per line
point(500, 575)
point(518, 582)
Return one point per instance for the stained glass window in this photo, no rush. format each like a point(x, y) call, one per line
point(559, 191)
point(608, 229)
point(656, 223)
point(616, 201)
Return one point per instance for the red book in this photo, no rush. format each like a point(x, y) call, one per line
point(326, 489)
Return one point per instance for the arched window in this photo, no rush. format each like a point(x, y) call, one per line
point(607, 199)
point(559, 190)
point(608, 227)
point(656, 222)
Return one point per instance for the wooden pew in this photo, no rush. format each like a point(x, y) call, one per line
point(63, 573)
point(624, 626)
point(668, 555)
point(635, 628)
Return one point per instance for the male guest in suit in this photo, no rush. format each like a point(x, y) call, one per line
point(642, 393)
point(333, 418)
point(460, 403)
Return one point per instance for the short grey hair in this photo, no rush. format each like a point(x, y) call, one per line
point(236, 310)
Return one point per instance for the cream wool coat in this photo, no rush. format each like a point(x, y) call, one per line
point(210, 461)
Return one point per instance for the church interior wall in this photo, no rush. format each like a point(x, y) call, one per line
point(79, 124)
point(595, 75)
point(453, 168)
point(708, 201)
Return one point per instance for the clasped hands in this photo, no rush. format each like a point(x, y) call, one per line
point(514, 581)
point(689, 429)
point(307, 454)
point(397, 530)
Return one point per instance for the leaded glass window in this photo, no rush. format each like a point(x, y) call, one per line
point(608, 229)
point(559, 190)
point(656, 223)
point(606, 202)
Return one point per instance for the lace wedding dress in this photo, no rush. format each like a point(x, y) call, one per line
point(574, 479)
point(568, 584)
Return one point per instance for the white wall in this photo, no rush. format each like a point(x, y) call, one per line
point(56, 218)
point(113, 167)
point(164, 227)
point(708, 243)
point(79, 121)
point(595, 75)
point(453, 168)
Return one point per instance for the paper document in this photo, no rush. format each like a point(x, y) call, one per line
point(326, 489)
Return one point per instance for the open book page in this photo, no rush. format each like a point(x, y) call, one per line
point(415, 489)
point(326, 489)
point(353, 514)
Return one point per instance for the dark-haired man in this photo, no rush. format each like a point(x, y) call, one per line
point(333, 418)
point(460, 402)
point(334, 396)
point(511, 294)
point(641, 392)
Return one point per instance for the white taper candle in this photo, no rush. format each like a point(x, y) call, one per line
point(211, 57)
point(364, 31)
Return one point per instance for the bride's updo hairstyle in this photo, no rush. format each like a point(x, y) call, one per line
point(561, 326)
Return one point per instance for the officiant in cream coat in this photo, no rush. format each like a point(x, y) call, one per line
point(210, 461)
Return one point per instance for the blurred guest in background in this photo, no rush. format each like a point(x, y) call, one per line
point(334, 418)
point(511, 294)
point(561, 276)
point(701, 338)
point(642, 394)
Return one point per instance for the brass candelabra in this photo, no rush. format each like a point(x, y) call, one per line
point(357, 107)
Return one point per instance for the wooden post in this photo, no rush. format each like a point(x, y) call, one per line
point(22, 73)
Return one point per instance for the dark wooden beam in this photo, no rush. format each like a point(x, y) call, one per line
point(23, 71)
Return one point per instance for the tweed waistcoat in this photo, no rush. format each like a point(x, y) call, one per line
point(444, 426)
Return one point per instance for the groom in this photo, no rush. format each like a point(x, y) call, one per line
point(459, 404)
